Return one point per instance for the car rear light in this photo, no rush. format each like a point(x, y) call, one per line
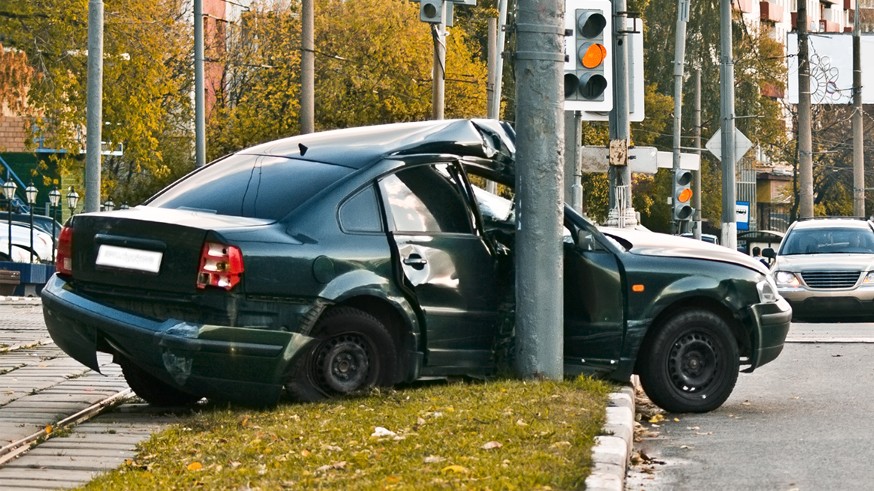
point(64, 254)
point(220, 265)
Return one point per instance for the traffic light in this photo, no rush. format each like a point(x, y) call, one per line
point(588, 69)
point(682, 201)
point(431, 11)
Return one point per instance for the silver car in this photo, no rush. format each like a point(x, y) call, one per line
point(825, 268)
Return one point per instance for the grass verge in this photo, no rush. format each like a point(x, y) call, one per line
point(506, 434)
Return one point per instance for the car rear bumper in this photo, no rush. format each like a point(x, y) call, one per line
point(772, 321)
point(230, 363)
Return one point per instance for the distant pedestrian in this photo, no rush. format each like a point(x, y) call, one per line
point(757, 254)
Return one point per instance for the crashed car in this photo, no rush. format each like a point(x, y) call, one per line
point(326, 264)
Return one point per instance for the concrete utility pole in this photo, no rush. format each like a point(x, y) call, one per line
point(539, 71)
point(679, 63)
point(94, 110)
point(621, 209)
point(726, 93)
point(805, 143)
point(858, 134)
point(307, 69)
point(199, 89)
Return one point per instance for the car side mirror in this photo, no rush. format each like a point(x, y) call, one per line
point(769, 253)
point(585, 240)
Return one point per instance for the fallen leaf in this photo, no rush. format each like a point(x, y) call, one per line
point(48, 429)
point(491, 445)
point(195, 466)
point(657, 418)
point(379, 431)
point(459, 469)
point(433, 459)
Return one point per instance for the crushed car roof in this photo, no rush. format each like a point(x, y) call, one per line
point(360, 147)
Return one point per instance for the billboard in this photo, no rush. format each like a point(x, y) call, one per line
point(831, 68)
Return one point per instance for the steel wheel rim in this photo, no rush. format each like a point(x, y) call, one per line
point(343, 363)
point(692, 363)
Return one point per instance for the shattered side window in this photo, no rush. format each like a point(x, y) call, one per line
point(425, 200)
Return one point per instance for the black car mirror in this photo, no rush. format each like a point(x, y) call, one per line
point(769, 253)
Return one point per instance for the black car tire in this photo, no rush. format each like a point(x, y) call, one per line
point(691, 365)
point(152, 390)
point(353, 354)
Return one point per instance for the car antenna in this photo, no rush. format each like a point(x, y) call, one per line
point(303, 149)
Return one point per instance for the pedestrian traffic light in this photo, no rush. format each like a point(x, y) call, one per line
point(431, 11)
point(588, 70)
point(682, 201)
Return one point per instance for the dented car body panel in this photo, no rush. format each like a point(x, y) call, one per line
point(328, 263)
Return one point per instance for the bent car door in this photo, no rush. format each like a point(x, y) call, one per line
point(594, 305)
point(446, 264)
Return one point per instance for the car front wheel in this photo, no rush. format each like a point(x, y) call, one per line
point(691, 365)
point(353, 354)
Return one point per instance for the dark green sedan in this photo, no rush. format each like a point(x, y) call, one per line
point(326, 264)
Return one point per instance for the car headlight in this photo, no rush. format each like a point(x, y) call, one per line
point(868, 279)
point(767, 290)
point(786, 278)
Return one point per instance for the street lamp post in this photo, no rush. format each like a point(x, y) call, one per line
point(54, 200)
point(9, 191)
point(72, 200)
point(30, 191)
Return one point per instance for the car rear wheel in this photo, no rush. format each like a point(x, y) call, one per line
point(691, 365)
point(353, 354)
point(152, 390)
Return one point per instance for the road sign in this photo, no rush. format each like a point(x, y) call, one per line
point(741, 144)
point(742, 215)
point(640, 159)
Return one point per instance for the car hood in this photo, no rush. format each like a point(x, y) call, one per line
point(646, 243)
point(825, 262)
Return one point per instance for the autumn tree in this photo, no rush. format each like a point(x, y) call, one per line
point(146, 86)
point(373, 65)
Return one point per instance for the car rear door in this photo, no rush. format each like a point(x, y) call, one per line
point(445, 263)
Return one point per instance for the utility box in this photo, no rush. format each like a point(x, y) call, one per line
point(9, 281)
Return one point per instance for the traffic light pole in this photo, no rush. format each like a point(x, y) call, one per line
point(438, 72)
point(726, 92)
point(679, 62)
point(621, 209)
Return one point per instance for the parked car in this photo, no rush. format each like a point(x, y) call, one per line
point(44, 223)
point(22, 239)
point(825, 268)
point(705, 237)
point(329, 263)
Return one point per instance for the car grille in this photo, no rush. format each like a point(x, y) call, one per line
point(831, 279)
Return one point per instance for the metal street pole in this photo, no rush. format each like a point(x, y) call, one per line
point(94, 112)
point(307, 69)
point(805, 138)
point(438, 72)
point(539, 68)
point(696, 196)
point(621, 212)
point(726, 106)
point(679, 62)
point(858, 135)
point(199, 89)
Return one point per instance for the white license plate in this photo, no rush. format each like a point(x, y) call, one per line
point(128, 258)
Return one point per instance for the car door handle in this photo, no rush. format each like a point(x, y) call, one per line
point(416, 261)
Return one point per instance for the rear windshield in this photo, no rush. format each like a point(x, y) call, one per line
point(250, 186)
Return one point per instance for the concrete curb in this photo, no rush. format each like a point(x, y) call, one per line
point(613, 449)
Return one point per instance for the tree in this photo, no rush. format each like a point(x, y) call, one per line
point(15, 78)
point(373, 65)
point(146, 85)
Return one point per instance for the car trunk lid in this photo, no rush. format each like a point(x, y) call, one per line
point(147, 248)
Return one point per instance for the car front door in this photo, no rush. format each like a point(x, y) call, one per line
point(594, 304)
point(445, 263)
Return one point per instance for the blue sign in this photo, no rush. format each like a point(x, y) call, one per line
point(742, 215)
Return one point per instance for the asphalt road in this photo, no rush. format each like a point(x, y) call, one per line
point(802, 422)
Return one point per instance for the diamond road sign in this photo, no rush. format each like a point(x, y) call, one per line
point(741, 144)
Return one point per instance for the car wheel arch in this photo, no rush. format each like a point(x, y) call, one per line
point(693, 303)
